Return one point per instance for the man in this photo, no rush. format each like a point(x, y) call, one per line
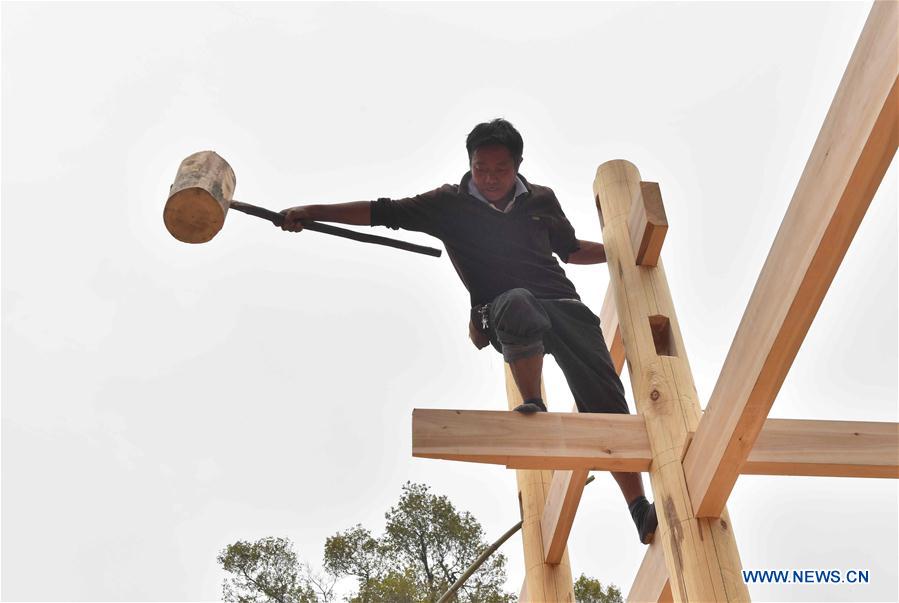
point(501, 232)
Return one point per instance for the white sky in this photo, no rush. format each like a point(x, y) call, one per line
point(162, 400)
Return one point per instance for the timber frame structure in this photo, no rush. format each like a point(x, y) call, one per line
point(694, 457)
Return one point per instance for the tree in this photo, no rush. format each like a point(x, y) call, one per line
point(426, 546)
point(590, 590)
point(265, 571)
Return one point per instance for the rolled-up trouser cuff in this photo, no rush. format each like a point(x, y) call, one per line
point(513, 352)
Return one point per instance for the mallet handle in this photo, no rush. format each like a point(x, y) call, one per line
point(278, 219)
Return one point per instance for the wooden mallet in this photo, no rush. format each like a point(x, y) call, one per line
point(203, 191)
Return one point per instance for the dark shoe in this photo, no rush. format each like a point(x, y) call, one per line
point(531, 406)
point(644, 514)
point(650, 523)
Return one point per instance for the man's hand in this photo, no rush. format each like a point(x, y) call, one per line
point(589, 252)
point(293, 217)
point(480, 340)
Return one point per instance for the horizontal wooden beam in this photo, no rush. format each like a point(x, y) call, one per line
point(609, 442)
point(847, 163)
point(552, 440)
point(825, 448)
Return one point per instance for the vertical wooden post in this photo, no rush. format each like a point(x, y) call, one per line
point(700, 555)
point(543, 582)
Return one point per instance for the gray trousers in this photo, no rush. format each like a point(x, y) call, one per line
point(522, 325)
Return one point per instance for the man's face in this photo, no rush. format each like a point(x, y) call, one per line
point(493, 171)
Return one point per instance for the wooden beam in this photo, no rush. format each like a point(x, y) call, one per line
point(854, 148)
point(543, 582)
point(558, 514)
point(651, 582)
point(700, 555)
point(825, 448)
point(583, 442)
point(648, 224)
point(552, 440)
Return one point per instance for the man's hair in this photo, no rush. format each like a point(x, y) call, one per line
point(498, 131)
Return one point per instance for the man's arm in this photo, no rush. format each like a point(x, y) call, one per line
point(588, 253)
point(354, 212)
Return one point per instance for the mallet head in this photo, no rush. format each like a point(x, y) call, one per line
point(199, 198)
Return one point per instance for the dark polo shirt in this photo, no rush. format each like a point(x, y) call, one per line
point(492, 251)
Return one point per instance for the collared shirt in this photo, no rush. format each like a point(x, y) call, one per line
point(492, 251)
point(520, 189)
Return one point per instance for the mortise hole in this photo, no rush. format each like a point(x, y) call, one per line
point(661, 335)
point(602, 222)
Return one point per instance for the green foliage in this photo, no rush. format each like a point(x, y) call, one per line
point(590, 590)
point(391, 586)
point(355, 553)
point(263, 571)
point(426, 546)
